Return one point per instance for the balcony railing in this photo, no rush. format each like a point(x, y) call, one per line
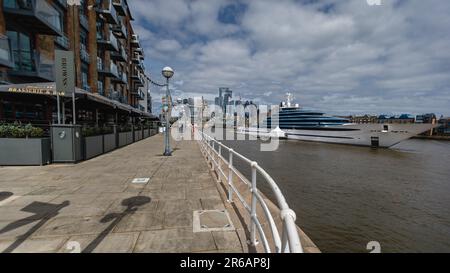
point(112, 94)
point(135, 41)
point(100, 89)
point(108, 12)
point(280, 233)
point(87, 88)
point(34, 67)
point(115, 95)
point(99, 64)
point(108, 43)
point(120, 56)
point(84, 55)
point(35, 15)
point(136, 57)
point(124, 78)
point(108, 69)
point(6, 56)
point(120, 30)
point(63, 41)
point(123, 99)
point(121, 7)
point(141, 95)
point(141, 52)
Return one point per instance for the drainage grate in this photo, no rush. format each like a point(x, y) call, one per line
point(140, 181)
point(212, 220)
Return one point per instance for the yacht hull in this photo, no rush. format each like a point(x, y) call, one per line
point(353, 134)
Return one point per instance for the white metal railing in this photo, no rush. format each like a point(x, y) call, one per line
point(289, 240)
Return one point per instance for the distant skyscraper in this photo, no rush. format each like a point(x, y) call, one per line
point(225, 95)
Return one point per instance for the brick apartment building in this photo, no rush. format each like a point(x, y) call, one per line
point(110, 74)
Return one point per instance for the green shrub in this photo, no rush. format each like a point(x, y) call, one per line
point(20, 131)
point(96, 131)
point(125, 128)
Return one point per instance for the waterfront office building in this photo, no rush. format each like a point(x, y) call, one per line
point(109, 69)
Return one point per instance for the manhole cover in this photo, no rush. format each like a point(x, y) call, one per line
point(140, 180)
point(212, 220)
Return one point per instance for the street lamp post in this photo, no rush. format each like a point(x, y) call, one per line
point(167, 72)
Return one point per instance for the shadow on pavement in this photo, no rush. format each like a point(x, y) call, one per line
point(132, 204)
point(5, 195)
point(42, 212)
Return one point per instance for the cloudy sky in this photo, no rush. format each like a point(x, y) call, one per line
point(339, 56)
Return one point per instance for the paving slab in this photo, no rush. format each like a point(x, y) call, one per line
point(95, 205)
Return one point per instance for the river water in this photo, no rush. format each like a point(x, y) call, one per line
point(347, 196)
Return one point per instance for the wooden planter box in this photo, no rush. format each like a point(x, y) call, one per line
point(25, 151)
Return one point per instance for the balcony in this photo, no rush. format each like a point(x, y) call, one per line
point(84, 22)
point(35, 15)
point(136, 58)
point(122, 79)
point(34, 67)
point(140, 66)
point(86, 87)
point(140, 50)
point(120, 56)
point(121, 7)
point(100, 89)
point(84, 55)
point(108, 12)
point(135, 41)
point(107, 69)
point(141, 96)
point(108, 43)
point(114, 95)
point(138, 79)
point(120, 30)
point(123, 99)
point(62, 41)
point(6, 56)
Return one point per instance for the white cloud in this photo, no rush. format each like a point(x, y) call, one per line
point(355, 57)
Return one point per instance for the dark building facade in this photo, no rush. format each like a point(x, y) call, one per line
point(109, 66)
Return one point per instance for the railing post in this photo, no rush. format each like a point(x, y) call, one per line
point(284, 240)
point(219, 163)
point(230, 176)
point(253, 208)
point(212, 156)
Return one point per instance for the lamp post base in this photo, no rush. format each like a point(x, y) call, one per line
point(168, 153)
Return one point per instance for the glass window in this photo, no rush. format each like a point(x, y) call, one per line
point(60, 18)
point(21, 44)
point(100, 28)
point(84, 37)
point(82, 7)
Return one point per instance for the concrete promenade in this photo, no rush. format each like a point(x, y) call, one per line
point(94, 207)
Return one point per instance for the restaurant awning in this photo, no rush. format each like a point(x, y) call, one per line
point(48, 89)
